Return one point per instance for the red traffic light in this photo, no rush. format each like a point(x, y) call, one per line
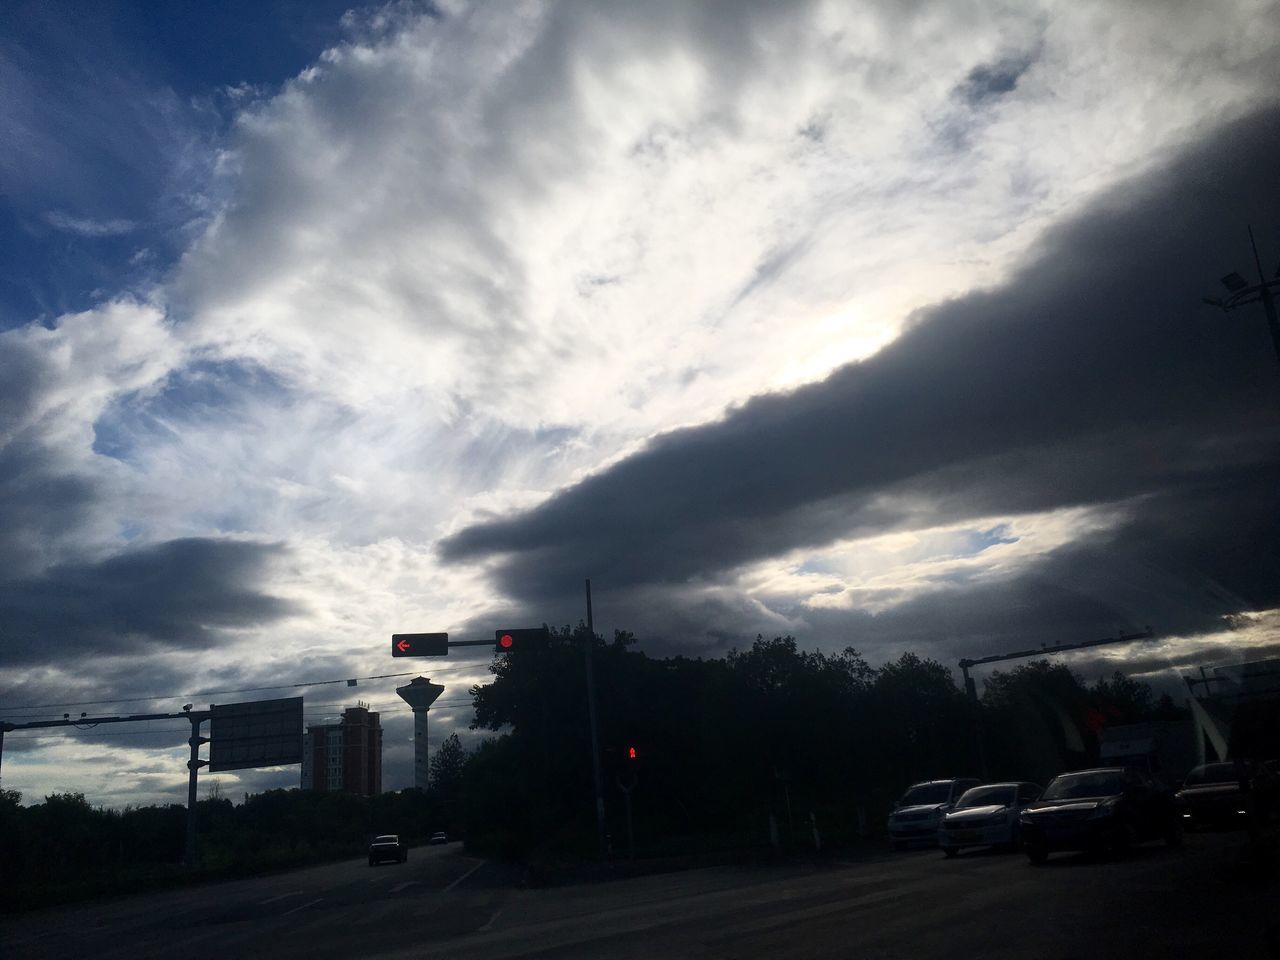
point(631, 753)
point(527, 638)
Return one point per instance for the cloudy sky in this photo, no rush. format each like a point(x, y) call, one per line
point(878, 324)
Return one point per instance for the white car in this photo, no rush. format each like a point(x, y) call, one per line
point(919, 813)
point(986, 816)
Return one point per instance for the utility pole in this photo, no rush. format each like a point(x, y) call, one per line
point(595, 734)
point(1241, 292)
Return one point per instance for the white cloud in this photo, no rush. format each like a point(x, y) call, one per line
point(87, 227)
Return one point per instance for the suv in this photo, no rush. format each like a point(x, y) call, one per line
point(919, 813)
point(388, 847)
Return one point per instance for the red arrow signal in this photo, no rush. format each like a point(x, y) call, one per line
point(419, 644)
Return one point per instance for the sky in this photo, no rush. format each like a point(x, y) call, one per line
point(879, 325)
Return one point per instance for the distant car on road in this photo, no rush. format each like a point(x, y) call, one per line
point(387, 847)
point(439, 837)
point(1227, 793)
point(1107, 808)
point(986, 816)
point(918, 814)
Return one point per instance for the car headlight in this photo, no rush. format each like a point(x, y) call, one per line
point(1105, 809)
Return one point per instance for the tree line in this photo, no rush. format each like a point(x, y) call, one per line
point(721, 746)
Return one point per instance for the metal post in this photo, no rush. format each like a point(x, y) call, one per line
point(971, 689)
point(193, 765)
point(595, 735)
point(631, 834)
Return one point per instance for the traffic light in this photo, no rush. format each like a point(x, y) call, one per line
point(631, 753)
point(526, 638)
point(419, 644)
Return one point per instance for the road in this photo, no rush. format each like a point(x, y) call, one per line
point(1200, 900)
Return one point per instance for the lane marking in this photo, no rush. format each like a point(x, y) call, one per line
point(463, 877)
point(489, 923)
point(402, 886)
point(303, 907)
point(291, 893)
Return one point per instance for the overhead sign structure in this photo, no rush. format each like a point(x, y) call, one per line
point(260, 733)
point(420, 644)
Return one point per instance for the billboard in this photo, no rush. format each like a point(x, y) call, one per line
point(260, 733)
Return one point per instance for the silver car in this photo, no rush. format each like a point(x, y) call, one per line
point(986, 816)
point(917, 816)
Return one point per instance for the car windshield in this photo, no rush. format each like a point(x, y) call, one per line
point(1002, 794)
point(1213, 773)
point(389, 838)
point(1096, 783)
point(923, 793)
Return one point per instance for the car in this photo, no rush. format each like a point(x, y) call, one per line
point(918, 814)
point(439, 837)
point(1226, 793)
point(1102, 809)
point(986, 816)
point(387, 847)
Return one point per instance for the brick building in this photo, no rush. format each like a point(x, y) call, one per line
point(345, 756)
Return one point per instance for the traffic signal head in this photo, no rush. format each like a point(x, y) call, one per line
point(525, 638)
point(419, 644)
point(631, 753)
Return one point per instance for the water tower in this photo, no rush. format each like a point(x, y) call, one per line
point(420, 693)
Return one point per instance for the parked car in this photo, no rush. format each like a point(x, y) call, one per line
point(1227, 793)
point(986, 816)
point(1107, 808)
point(439, 837)
point(387, 847)
point(918, 814)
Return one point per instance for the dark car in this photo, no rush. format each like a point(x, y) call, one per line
point(1227, 793)
point(439, 837)
point(387, 847)
point(1105, 809)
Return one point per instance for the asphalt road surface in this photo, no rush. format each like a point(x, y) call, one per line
point(1204, 900)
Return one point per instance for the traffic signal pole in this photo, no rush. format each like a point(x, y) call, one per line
point(972, 689)
point(595, 734)
point(196, 717)
point(193, 765)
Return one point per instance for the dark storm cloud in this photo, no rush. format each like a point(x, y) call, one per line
point(1093, 376)
point(175, 595)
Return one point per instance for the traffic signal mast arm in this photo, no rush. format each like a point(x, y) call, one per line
point(1123, 638)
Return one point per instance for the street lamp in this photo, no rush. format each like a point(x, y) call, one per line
point(1240, 292)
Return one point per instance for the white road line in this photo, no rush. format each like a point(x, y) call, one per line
point(291, 893)
point(463, 877)
point(402, 886)
point(303, 907)
point(488, 925)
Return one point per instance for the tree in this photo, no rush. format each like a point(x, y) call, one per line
point(447, 768)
